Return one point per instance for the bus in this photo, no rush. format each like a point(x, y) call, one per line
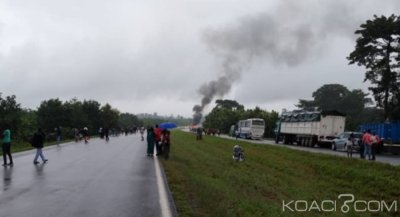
point(252, 128)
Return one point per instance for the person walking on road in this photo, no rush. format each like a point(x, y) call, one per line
point(157, 136)
point(58, 134)
point(106, 133)
point(150, 141)
point(85, 134)
point(76, 134)
point(7, 147)
point(141, 133)
point(37, 142)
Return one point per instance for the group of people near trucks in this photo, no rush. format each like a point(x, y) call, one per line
point(368, 145)
point(160, 138)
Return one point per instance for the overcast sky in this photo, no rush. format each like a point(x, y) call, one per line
point(154, 55)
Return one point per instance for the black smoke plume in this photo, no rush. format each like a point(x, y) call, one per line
point(290, 34)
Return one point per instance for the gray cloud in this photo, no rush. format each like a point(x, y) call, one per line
point(288, 35)
point(138, 55)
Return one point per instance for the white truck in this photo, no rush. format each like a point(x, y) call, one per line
point(309, 128)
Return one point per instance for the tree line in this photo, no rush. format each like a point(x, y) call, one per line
point(228, 112)
point(54, 113)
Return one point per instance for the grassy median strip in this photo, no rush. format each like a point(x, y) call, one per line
point(205, 181)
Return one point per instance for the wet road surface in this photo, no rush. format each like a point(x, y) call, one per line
point(95, 179)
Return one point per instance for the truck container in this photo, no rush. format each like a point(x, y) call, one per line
point(309, 128)
point(389, 132)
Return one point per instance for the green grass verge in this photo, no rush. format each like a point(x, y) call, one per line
point(205, 181)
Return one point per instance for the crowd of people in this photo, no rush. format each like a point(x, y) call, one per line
point(160, 138)
point(368, 144)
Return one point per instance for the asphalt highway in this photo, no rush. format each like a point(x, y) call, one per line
point(98, 179)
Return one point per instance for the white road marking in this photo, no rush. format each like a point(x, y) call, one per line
point(165, 208)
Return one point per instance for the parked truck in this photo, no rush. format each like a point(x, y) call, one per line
point(309, 128)
point(389, 134)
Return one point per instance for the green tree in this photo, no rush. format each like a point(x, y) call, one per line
point(77, 116)
point(222, 119)
point(10, 112)
point(51, 114)
point(28, 125)
point(92, 111)
point(128, 120)
point(327, 97)
point(227, 113)
point(109, 116)
point(270, 118)
point(378, 50)
point(229, 104)
point(338, 97)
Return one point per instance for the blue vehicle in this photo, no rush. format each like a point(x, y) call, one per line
point(388, 132)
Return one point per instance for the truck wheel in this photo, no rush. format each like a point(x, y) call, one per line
point(333, 147)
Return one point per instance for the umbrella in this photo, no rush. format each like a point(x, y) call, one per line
point(168, 125)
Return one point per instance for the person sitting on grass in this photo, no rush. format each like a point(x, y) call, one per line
point(238, 153)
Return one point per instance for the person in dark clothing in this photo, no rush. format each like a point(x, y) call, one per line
point(150, 141)
point(106, 133)
point(199, 133)
point(361, 142)
point(85, 134)
point(37, 142)
point(166, 144)
point(7, 147)
point(157, 136)
point(58, 134)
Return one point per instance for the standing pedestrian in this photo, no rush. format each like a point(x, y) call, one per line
point(362, 145)
point(367, 144)
point(76, 134)
point(85, 134)
point(101, 133)
point(166, 144)
point(106, 133)
point(157, 136)
point(150, 141)
point(58, 134)
point(141, 133)
point(199, 133)
point(350, 145)
point(37, 142)
point(7, 146)
point(374, 144)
